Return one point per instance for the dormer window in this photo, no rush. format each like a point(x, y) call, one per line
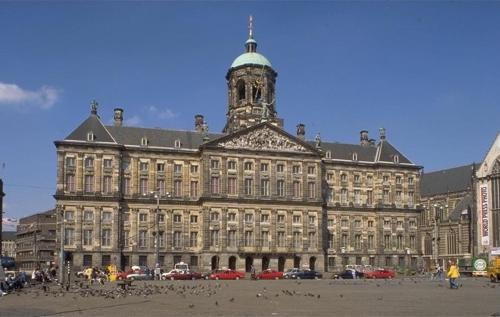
point(144, 141)
point(328, 154)
point(90, 136)
point(396, 159)
point(177, 143)
point(354, 156)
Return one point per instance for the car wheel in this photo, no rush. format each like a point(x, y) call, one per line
point(276, 278)
point(298, 277)
point(172, 278)
point(237, 278)
point(316, 278)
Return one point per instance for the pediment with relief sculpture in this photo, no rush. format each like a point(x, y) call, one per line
point(264, 138)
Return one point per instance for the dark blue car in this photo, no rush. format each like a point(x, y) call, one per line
point(304, 274)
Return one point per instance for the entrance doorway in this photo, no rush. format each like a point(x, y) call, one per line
point(296, 262)
point(232, 263)
point(248, 264)
point(281, 264)
point(215, 262)
point(312, 263)
point(265, 263)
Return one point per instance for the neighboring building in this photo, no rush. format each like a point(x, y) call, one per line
point(254, 195)
point(445, 225)
point(488, 202)
point(36, 240)
point(9, 243)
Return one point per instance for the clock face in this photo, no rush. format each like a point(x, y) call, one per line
point(480, 265)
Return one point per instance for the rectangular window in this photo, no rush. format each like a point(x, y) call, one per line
point(357, 178)
point(143, 239)
point(231, 238)
point(370, 223)
point(280, 168)
point(160, 167)
point(70, 182)
point(144, 186)
point(311, 170)
point(177, 218)
point(369, 180)
point(371, 242)
point(106, 237)
point(248, 166)
point(344, 223)
point(231, 185)
point(194, 189)
point(87, 260)
point(89, 162)
point(357, 242)
point(161, 218)
point(296, 219)
point(296, 169)
point(311, 188)
point(281, 239)
point(410, 180)
point(412, 242)
point(214, 238)
point(214, 185)
point(357, 196)
point(385, 196)
point(193, 239)
point(369, 197)
point(312, 240)
point(399, 224)
point(264, 218)
point(387, 224)
point(161, 240)
point(194, 169)
point(248, 186)
point(398, 180)
point(69, 234)
point(88, 215)
point(126, 240)
point(296, 239)
point(399, 196)
point(69, 215)
point(344, 240)
point(357, 223)
point(331, 241)
point(193, 261)
point(214, 164)
point(177, 168)
point(177, 239)
point(411, 199)
point(143, 217)
point(400, 242)
point(194, 219)
point(89, 183)
point(296, 189)
point(331, 262)
point(107, 185)
point(143, 166)
point(248, 217)
point(329, 177)
point(385, 179)
point(248, 238)
point(312, 220)
point(264, 167)
point(87, 237)
point(231, 165)
point(388, 261)
point(387, 241)
point(343, 196)
point(231, 217)
point(160, 185)
point(214, 216)
point(281, 218)
point(280, 188)
point(265, 239)
point(264, 187)
point(70, 161)
point(108, 163)
point(107, 217)
point(331, 222)
point(343, 177)
point(177, 188)
point(126, 186)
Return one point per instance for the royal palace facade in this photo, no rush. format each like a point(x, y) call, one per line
point(252, 195)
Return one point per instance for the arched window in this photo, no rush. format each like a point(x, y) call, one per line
point(240, 87)
point(328, 154)
point(90, 136)
point(177, 143)
point(396, 159)
point(354, 156)
point(144, 141)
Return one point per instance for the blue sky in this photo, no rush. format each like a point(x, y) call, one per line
point(426, 71)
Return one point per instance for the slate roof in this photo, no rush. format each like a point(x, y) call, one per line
point(455, 179)
point(92, 124)
point(8, 235)
point(462, 206)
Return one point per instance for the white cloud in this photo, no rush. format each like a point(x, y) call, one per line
point(133, 121)
point(45, 97)
point(162, 113)
point(9, 224)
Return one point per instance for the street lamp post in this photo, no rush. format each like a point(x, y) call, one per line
point(61, 251)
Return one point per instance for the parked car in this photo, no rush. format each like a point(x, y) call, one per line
point(185, 275)
point(167, 275)
point(348, 274)
point(139, 273)
point(269, 274)
point(226, 275)
point(380, 273)
point(291, 272)
point(303, 274)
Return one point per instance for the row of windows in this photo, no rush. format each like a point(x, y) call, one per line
point(357, 223)
point(369, 178)
point(370, 243)
point(249, 241)
point(356, 196)
point(264, 167)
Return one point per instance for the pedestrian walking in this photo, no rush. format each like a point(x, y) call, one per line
point(252, 272)
point(453, 275)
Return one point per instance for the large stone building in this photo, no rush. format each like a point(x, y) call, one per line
point(36, 240)
point(446, 227)
point(9, 243)
point(253, 195)
point(487, 188)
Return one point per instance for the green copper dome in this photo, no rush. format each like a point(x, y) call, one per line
point(251, 58)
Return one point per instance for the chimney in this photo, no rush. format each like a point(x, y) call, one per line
point(363, 138)
point(382, 133)
point(301, 131)
point(118, 117)
point(198, 123)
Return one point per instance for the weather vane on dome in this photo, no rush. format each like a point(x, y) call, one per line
point(250, 27)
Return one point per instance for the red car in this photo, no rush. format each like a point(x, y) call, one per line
point(185, 275)
point(380, 273)
point(269, 275)
point(123, 275)
point(226, 275)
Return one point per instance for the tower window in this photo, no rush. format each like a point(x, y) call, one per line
point(240, 86)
